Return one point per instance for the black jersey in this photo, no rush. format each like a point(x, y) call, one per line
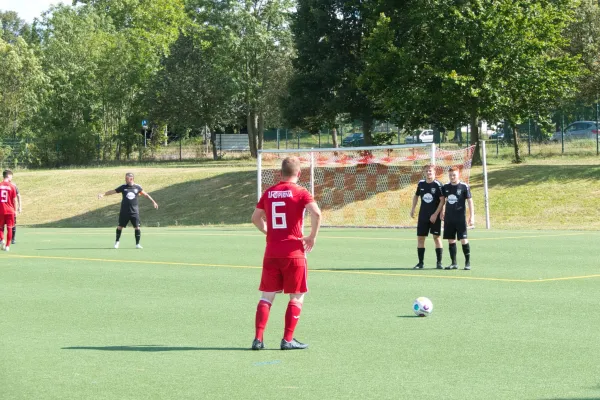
point(430, 194)
point(456, 198)
point(129, 204)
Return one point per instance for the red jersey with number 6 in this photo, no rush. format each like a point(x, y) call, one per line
point(8, 192)
point(284, 206)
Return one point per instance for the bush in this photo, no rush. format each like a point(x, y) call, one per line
point(384, 138)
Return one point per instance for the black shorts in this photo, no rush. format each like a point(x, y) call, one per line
point(424, 226)
point(455, 229)
point(124, 219)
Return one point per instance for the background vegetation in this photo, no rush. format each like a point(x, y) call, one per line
point(76, 84)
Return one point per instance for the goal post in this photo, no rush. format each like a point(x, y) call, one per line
point(364, 186)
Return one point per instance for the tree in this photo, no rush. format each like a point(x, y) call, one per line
point(11, 26)
point(533, 73)
point(445, 61)
point(259, 40)
point(583, 34)
point(21, 83)
point(195, 88)
point(141, 34)
point(329, 37)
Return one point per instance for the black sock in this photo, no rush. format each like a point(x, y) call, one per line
point(14, 229)
point(467, 252)
point(138, 235)
point(119, 234)
point(452, 248)
point(438, 254)
point(421, 253)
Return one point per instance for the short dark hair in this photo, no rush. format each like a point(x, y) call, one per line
point(452, 169)
point(290, 166)
point(428, 166)
point(129, 174)
point(6, 173)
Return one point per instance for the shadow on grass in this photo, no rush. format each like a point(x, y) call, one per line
point(153, 348)
point(365, 269)
point(228, 198)
point(83, 248)
point(225, 199)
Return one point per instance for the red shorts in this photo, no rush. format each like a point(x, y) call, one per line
point(284, 274)
point(7, 219)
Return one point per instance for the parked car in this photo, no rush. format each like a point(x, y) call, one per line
point(354, 140)
point(420, 136)
point(578, 130)
point(497, 136)
point(556, 136)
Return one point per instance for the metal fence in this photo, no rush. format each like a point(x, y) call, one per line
point(533, 142)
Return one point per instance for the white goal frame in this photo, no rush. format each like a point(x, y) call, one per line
point(428, 155)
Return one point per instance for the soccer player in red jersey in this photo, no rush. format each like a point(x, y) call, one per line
point(8, 196)
point(279, 214)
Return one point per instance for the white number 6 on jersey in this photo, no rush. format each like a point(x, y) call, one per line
point(282, 224)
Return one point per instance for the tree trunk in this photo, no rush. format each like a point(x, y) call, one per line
point(252, 129)
point(458, 134)
point(261, 130)
point(436, 134)
point(515, 132)
point(334, 138)
point(213, 142)
point(474, 139)
point(368, 130)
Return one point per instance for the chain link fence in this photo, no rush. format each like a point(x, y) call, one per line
point(571, 137)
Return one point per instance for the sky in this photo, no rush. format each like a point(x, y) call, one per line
point(29, 9)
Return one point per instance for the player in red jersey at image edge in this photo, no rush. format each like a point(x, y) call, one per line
point(8, 199)
point(279, 214)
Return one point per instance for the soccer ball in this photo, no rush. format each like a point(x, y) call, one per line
point(422, 307)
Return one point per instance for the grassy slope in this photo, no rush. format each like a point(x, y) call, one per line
point(543, 194)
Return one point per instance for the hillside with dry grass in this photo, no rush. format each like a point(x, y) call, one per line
point(543, 194)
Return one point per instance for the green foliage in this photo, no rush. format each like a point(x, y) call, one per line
point(21, 78)
point(384, 138)
point(100, 58)
point(329, 37)
point(583, 35)
point(462, 61)
point(81, 79)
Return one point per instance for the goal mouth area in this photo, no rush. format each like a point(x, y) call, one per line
point(364, 187)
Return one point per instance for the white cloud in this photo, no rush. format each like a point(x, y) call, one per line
point(29, 9)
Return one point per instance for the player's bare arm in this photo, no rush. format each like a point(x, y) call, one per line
point(315, 224)
point(443, 212)
point(19, 210)
point(414, 205)
point(471, 221)
point(437, 212)
point(146, 195)
point(110, 192)
point(259, 220)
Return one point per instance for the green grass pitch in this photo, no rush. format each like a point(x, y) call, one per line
point(81, 320)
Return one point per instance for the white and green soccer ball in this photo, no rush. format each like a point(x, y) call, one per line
point(422, 307)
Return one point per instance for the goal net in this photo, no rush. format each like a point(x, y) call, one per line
point(364, 186)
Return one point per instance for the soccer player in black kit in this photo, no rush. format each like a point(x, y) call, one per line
point(429, 190)
point(129, 207)
point(458, 195)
